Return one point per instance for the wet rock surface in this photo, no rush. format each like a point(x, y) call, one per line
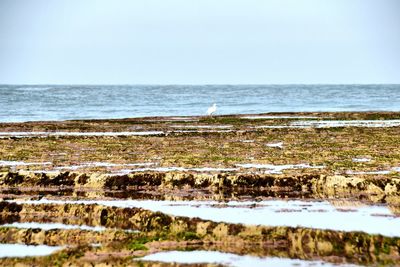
point(51, 173)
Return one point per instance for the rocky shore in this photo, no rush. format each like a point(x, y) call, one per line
point(46, 168)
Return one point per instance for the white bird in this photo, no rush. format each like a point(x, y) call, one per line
point(211, 110)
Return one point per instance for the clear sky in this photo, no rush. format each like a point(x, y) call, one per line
point(199, 41)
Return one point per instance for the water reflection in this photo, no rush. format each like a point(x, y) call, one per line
point(371, 219)
point(52, 226)
point(215, 257)
point(19, 250)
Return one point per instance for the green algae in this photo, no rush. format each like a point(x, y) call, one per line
point(333, 148)
point(188, 236)
point(139, 243)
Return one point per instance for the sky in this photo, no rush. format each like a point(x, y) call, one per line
point(199, 41)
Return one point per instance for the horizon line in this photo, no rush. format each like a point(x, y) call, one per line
point(183, 84)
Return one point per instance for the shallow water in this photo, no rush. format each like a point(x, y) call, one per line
point(350, 123)
point(361, 159)
point(46, 134)
point(369, 172)
point(202, 131)
point(271, 117)
point(335, 123)
point(51, 226)
point(202, 126)
point(62, 102)
point(21, 163)
point(18, 250)
point(275, 145)
point(277, 169)
point(215, 257)
point(172, 169)
point(120, 168)
point(103, 165)
point(372, 219)
point(247, 141)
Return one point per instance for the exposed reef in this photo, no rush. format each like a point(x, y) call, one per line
point(335, 185)
point(158, 229)
point(346, 160)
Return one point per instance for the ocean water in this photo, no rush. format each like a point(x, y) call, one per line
point(65, 102)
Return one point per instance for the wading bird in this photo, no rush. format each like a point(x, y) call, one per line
point(211, 110)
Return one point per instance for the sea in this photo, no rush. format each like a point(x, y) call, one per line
point(20, 103)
